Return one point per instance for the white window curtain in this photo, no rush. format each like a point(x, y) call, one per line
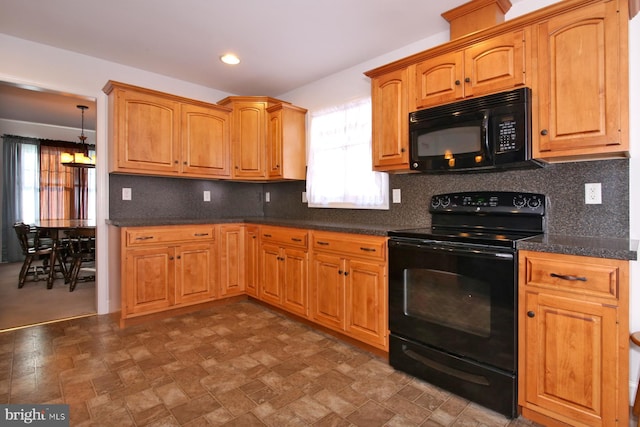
point(339, 165)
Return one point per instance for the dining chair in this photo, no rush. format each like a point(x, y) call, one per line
point(35, 248)
point(82, 255)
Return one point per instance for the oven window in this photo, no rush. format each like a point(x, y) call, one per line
point(448, 299)
point(456, 140)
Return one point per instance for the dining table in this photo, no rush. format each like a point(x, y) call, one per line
point(55, 229)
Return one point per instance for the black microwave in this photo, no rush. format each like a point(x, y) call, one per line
point(486, 133)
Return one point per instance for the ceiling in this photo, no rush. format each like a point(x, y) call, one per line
point(282, 44)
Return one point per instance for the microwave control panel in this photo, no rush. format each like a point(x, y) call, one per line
point(507, 135)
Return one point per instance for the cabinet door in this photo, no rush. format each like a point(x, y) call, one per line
point(366, 302)
point(147, 134)
point(390, 144)
point(205, 141)
point(568, 359)
point(294, 281)
point(328, 290)
point(149, 280)
point(232, 268)
point(249, 139)
point(274, 144)
point(195, 273)
point(440, 80)
point(270, 284)
point(495, 64)
point(580, 83)
point(252, 255)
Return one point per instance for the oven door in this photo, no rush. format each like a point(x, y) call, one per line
point(455, 298)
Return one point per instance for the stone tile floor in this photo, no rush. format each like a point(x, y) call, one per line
point(235, 365)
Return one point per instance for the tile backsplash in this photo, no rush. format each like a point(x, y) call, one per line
point(562, 183)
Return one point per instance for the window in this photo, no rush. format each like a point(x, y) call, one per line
point(339, 173)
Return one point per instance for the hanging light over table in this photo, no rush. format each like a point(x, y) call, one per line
point(81, 159)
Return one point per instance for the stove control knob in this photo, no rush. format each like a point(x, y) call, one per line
point(445, 201)
point(519, 201)
point(535, 202)
point(435, 202)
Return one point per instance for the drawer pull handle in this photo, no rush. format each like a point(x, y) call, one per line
point(323, 243)
point(295, 239)
point(201, 234)
point(144, 237)
point(568, 277)
point(267, 235)
point(368, 249)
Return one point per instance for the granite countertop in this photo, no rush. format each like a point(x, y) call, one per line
point(356, 228)
point(599, 247)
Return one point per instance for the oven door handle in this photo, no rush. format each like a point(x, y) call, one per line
point(439, 246)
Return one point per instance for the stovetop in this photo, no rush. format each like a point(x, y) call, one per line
point(486, 218)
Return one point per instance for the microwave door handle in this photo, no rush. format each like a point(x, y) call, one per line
point(485, 136)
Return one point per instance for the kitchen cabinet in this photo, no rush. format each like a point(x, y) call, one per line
point(232, 259)
point(348, 285)
point(166, 267)
point(390, 113)
point(573, 339)
point(492, 65)
point(283, 268)
point(154, 133)
point(252, 255)
point(286, 142)
point(252, 129)
point(581, 83)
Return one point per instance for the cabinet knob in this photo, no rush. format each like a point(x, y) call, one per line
point(175, 161)
point(544, 132)
point(402, 150)
point(346, 273)
point(457, 82)
point(170, 258)
point(531, 313)
point(467, 79)
point(340, 272)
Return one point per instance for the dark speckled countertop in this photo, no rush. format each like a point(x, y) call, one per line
point(599, 247)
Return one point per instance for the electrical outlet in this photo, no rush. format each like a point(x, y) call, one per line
point(396, 195)
point(304, 197)
point(126, 194)
point(593, 193)
point(207, 196)
point(267, 197)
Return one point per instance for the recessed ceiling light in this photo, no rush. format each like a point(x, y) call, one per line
point(230, 59)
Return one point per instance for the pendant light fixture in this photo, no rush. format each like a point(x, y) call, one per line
point(82, 159)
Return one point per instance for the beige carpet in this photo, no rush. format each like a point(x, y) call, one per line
point(34, 303)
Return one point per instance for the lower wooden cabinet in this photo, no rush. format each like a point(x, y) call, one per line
point(232, 259)
point(348, 285)
point(573, 339)
point(283, 268)
point(166, 267)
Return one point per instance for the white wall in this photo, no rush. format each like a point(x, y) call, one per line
point(64, 71)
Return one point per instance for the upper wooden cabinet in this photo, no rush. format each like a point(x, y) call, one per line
point(573, 54)
point(488, 66)
point(390, 110)
point(286, 142)
point(266, 143)
point(581, 83)
point(155, 133)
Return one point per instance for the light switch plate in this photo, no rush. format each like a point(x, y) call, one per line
point(267, 197)
point(207, 195)
point(126, 193)
point(304, 197)
point(396, 195)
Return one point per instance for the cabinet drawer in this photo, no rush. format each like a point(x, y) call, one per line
point(285, 236)
point(598, 277)
point(154, 235)
point(351, 244)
